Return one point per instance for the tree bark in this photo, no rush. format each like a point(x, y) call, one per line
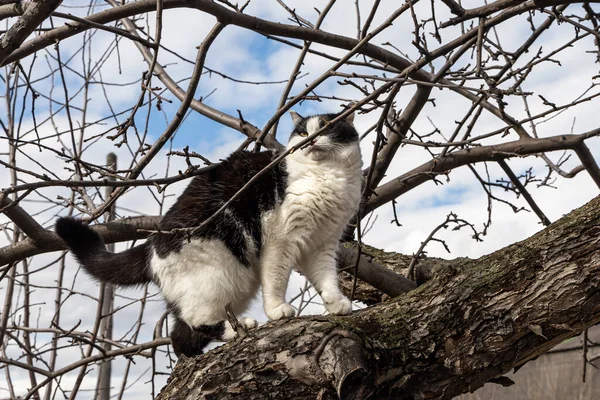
point(32, 17)
point(471, 323)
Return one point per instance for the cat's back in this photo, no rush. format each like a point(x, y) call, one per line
point(209, 191)
point(238, 225)
point(241, 167)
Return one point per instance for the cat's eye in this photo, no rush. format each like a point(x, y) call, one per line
point(303, 134)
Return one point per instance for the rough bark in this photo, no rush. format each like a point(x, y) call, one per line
point(471, 323)
point(33, 16)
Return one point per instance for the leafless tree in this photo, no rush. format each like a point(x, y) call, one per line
point(437, 86)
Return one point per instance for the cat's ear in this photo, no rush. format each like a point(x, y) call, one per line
point(350, 118)
point(296, 118)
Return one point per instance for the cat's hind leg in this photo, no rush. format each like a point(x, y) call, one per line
point(230, 332)
point(191, 341)
point(198, 283)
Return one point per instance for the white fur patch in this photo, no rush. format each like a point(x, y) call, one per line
point(229, 333)
point(312, 125)
point(202, 279)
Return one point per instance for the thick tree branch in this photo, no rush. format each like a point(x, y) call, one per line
point(471, 323)
point(23, 220)
point(381, 273)
point(33, 16)
point(386, 279)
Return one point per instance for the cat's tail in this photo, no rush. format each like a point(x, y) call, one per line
point(130, 267)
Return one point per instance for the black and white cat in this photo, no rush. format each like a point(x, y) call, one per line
point(293, 216)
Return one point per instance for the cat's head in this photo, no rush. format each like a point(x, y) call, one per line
point(339, 139)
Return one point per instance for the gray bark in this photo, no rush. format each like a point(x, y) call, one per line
point(32, 17)
point(474, 321)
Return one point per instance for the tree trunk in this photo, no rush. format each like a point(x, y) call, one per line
point(471, 323)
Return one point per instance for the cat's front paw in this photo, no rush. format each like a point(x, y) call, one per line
point(336, 303)
point(284, 310)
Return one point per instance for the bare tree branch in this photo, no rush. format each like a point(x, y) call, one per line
point(427, 171)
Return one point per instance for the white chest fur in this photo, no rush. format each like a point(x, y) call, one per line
point(322, 193)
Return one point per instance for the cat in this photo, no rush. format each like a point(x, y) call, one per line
point(292, 216)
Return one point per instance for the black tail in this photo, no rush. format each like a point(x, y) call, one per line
point(127, 268)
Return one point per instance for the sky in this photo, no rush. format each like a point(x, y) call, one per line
point(247, 56)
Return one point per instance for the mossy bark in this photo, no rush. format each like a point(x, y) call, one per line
point(471, 323)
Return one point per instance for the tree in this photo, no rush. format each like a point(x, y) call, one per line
point(443, 94)
point(471, 323)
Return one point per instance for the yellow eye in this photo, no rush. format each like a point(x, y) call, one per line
point(303, 134)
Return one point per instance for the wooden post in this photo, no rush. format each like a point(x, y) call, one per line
point(106, 325)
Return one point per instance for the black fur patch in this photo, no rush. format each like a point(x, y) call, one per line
point(339, 132)
point(208, 192)
point(191, 342)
